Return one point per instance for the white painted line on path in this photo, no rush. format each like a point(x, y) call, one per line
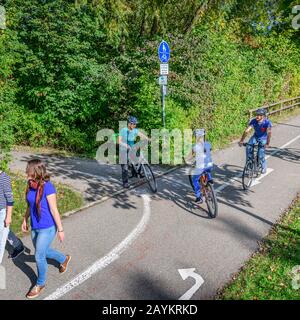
point(257, 180)
point(113, 255)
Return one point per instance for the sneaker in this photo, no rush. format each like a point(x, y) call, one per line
point(263, 171)
point(199, 200)
point(35, 292)
point(126, 185)
point(64, 266)
point(17, 252)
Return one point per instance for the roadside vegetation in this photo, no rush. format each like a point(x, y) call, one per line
point(70, 68)
point(273, 273)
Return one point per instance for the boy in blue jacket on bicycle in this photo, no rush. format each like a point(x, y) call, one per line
point(201, 153)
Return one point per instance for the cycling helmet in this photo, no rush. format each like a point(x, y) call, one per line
point(260, 112)
point(133, 120)
point(199, 133)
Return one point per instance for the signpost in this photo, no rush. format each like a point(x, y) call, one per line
point(164, 52)
point(164, 69)
point(164, 56)
point(163, 80)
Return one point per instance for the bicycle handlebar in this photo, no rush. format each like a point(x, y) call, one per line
point(245, 144)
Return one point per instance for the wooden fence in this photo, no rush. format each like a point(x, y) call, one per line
point(278, 107)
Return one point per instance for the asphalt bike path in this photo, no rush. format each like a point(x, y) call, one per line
point(95, 180)
point(137, 245)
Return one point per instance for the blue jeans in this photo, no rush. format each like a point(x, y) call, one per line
point(197, 185)
point(261, 150)
point(42, 239)
point(3, 233)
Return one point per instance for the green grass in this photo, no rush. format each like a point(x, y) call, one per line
point(268, 274)
point(67, 200)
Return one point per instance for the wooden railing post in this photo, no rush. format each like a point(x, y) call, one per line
point(283, 105)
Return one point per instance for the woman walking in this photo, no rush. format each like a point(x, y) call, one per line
point(45, 222)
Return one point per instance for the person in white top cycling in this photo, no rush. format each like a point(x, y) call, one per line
point(201, 153)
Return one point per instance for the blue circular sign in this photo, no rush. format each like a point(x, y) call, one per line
point(164, 52)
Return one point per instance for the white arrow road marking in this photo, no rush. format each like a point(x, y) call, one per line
point(227, 183)
point(186, 273)
point(257, 180)
point(109, 258)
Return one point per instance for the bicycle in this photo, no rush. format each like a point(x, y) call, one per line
point(253, 167)
point(208, 193)
point(141, 170)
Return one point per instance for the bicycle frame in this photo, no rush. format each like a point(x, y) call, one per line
point(137, 166)
point(255, 157)
point(204, 182)
point(204, 179)
point(209, 195)
point(142, 169)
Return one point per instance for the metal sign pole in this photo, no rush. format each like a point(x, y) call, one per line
point(163, 105)
point(164, 56)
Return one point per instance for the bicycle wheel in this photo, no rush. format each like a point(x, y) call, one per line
point(211, 200)
point(150, 177)
point(247, 175)
point(259, 168)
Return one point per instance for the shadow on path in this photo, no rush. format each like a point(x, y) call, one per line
point(22, 262)
point(144, 287)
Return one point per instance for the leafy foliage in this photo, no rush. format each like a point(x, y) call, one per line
point(70, 68)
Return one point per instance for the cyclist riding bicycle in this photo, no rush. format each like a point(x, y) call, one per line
point(201, 153)
point(126, 141)
point(262, 136)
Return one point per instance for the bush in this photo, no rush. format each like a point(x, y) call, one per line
point(67, 71)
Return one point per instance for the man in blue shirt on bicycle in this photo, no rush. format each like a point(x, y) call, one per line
point(201, 153)
point(126, 141)
point(262, 136)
